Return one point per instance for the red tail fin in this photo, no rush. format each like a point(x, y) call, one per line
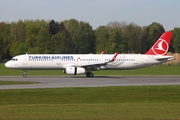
point(102, 52)
point(162, 45)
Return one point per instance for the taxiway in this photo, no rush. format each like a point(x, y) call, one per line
point(82, 81)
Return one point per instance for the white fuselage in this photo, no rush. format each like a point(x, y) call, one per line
point(62, 61)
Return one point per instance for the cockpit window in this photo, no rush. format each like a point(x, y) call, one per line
point(14, 59)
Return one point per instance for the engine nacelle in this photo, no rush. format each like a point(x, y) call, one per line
point(74, 70)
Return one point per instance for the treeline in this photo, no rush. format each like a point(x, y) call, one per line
point(73, 37)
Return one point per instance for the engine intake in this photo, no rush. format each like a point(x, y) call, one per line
point(74, 70)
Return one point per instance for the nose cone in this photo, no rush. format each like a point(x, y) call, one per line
point(8, 64)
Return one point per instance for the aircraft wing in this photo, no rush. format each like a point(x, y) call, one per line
point(98, 64)
point(93, 64)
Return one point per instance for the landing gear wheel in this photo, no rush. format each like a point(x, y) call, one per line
point(24, 75)
point(89, 74)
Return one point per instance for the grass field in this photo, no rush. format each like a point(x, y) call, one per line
point(100, 103)
point(153, 70)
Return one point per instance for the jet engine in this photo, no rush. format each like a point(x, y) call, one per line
point(74, 70)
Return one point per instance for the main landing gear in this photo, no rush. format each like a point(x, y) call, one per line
point(89, 74)
point(25, 75)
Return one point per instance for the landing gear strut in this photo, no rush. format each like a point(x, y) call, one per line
point(89, 74)
point(25, 75)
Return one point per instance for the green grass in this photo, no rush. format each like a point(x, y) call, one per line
point(100, 103)
point(153, 70)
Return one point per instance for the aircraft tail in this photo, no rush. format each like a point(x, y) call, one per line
point(162, 45)
point(102, 52)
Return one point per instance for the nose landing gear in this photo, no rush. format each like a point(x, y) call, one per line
point(25, 75)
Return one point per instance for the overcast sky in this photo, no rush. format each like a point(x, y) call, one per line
point(96, 12)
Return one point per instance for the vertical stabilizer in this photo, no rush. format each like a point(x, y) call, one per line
point(162, 45)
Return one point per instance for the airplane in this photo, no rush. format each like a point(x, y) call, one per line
point(75, 64)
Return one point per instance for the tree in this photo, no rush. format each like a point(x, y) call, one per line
point(83, 39)
point(4, 41)
point(72, 36)
point(144, 41)
point(18, 48)
point(81, 36)
point(176, 40)
point(150, 34)
point(17, 30)
point(132, 36)
point(59, 43)
point(53, 27)
point(116, 43)
point(37, 36)
point(119, 25)
point(101, 37)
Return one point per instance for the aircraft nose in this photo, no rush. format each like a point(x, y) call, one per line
point(8, 64)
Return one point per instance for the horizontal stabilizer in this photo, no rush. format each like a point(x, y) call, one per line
point(165, 58)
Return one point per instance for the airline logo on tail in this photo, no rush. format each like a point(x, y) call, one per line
point(162, 45)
